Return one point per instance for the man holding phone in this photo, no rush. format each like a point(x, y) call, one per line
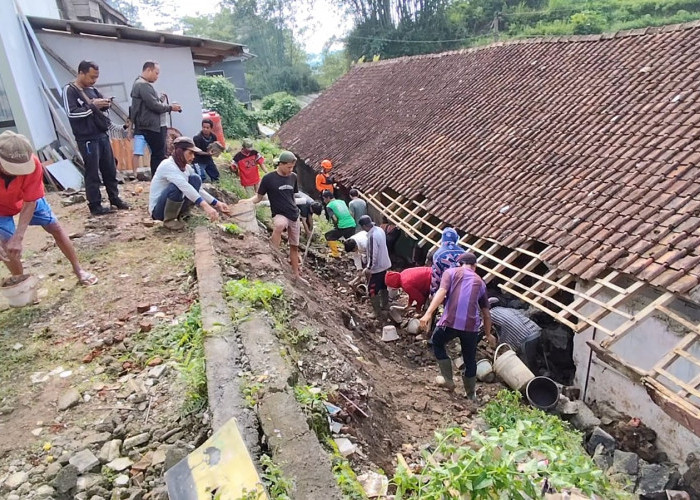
point(146, 111)
point(87, 112)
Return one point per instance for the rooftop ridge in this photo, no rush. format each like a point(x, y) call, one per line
point(650, 30)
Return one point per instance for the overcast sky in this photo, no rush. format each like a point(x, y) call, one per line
point(322, 23)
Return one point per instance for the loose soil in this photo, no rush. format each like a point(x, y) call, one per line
point(87, 337)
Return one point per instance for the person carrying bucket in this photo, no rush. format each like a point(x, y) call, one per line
point(466, 295)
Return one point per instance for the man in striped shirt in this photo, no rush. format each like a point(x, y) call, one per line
point(464, 293)
point(518, 331)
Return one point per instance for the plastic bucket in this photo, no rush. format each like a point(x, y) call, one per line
point(511, 369)
point(484, 370)
point(243, 214)
point(20, 294)
point(389, 333)
point(542, 393)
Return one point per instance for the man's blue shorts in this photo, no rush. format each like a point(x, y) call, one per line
point(139, 145)
point(43, 216)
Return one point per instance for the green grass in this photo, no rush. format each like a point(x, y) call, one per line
point(183, 343)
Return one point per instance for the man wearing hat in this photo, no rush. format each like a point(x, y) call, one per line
point(466, 296)
point(176, 185)
point(378, 263)
point(246, 164)
point(280, 185)
point(22, 192)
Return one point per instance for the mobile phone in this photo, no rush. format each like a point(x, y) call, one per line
point(112, 98)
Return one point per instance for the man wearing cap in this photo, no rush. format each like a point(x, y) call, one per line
point(246, 164)
point(280, 185)
point(87, 109)
point(339, 215)
point(324, 180)
point(176, 185)
point(466, 295)
point(22, 192)
point(378, 263)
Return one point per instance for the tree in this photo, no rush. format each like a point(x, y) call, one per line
point(218, 94)
point(334, 65)
point(280, 62)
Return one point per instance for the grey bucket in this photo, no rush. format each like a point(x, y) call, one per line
point(542, 393)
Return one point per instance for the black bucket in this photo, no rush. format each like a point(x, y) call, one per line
point(542, 393)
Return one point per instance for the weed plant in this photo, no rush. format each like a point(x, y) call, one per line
point(278, 486)
point(312, 403)
point(523, 447)
point(255, 293)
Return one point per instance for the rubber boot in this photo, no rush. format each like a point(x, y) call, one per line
point(335, 248)
point(170, 213)
point(384, 299)
point(376, 306)
point(445, 379)
point(469, 387)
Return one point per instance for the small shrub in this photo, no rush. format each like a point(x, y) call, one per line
point(279, 107)
point(218, 94)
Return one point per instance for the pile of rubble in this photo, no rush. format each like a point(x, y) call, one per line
point(625, 449)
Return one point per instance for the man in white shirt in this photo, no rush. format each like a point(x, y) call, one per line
point(356, 248)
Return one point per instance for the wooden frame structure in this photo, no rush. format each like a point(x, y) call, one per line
point(524, 273)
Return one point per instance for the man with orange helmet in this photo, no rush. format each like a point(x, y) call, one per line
point(324, 180)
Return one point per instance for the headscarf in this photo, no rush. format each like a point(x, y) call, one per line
point(445, 257)
point(393, 279)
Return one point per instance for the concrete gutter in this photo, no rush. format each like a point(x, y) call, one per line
point(220, 348)
point(293, 445)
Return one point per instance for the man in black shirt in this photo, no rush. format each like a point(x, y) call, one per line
point(280, 186)
point(205, 161)
point(86, 107)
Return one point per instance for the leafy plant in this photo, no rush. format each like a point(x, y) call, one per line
point(218, 94)
point(278, 486)
point(312, 402)
point(232, 228)
point(256, 293)
point(252, 389)
point(510, 460)
point(278, 107)
point(344, 475)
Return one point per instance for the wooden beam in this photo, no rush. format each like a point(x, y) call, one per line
point(633, 373)
point(623, 329)
point(679, 409)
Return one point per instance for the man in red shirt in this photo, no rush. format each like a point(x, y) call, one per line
point(22, 192)
point(246, 163)
point(415, 281)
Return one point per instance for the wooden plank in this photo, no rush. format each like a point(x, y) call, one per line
point(693, 327)
point(671, 355)
point(623, 329)
point(631, 372)
point(680, 383)
point(679, 409)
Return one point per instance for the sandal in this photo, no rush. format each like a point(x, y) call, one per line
point(87, 278)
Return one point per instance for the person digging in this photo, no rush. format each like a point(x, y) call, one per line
point(344, 224)
point(176, 186)
point(22, 192)
point(464, 294)
point(415, 281)
point(378, 263)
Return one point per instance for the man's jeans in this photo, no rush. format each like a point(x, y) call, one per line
point(156, 143)
point(172, 193)
point(99, 159)
point(468, 340)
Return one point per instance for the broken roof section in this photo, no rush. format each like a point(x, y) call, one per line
point(589, 145)
point(204, 51)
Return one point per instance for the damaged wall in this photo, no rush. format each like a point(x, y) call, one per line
point(642, 347)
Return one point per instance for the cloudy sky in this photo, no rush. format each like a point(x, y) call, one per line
point(316, 27)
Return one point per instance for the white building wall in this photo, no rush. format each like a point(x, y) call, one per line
point(39, 8)
point(120, 63)
point(642, 347)
point(21, 81)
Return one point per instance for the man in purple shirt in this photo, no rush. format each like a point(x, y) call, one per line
point(466, 297)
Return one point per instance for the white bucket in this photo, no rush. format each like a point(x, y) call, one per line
point(396, 313)
point(389, 333)
point(394, 293)
point(484, 370)
point(511, 369)
point(21, 294)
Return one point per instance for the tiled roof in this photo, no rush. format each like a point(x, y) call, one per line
point(589, 144)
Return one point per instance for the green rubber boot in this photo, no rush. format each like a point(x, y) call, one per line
point(446, 378)
point(469, 387)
